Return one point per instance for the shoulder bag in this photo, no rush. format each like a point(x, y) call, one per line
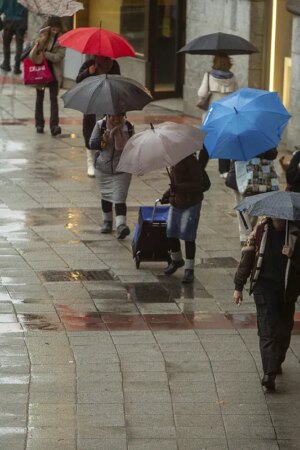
point(204, 102)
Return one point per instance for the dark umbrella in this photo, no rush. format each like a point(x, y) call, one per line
point(279, 204)
point(212, 44)
point(107, 94)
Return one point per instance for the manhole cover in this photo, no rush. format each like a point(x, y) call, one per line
point(76, 275)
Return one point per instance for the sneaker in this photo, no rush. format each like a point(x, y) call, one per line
point(224, 175)
point(5, 67)
point(122, 231)
point(55, 131)
point(173, 266)
point(188, 276)
point(106, 227)
point(17, 71)
point(40, 129)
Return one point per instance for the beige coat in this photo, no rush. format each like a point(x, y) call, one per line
point(219, 87)
point(53, 53)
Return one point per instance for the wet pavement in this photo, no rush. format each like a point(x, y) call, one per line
point(97, 355)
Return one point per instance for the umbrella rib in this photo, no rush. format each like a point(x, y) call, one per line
point(261, 130)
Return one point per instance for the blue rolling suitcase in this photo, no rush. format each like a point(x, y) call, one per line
point(149, 242)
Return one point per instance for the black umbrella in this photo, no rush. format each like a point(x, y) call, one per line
point(107, 94)
point(212, 44)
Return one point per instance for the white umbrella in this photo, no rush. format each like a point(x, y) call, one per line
point(161, 146)
point(58, 8)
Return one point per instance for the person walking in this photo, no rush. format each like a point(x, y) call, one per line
point(247, 223)
point(275, 285)
point(109, 137)
point(185, 196)
point(14, 24)
point(217, 83)
point(47, 46)
point(96, 66)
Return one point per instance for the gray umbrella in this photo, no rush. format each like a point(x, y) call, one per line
point(212, 44)
point(107, 94)
point(279, 204)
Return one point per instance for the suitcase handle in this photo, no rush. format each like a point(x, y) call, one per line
point(154, 209)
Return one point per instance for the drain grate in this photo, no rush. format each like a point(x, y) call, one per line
point(222, 262)
point(76, 275)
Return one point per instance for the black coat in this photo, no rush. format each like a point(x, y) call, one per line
point(89, 120)
point(293, 173)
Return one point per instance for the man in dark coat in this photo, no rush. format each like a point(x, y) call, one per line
point(272, 262)
point(14, 24)
point(98, 65)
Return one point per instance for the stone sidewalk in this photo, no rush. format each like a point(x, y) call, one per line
point(97, 355)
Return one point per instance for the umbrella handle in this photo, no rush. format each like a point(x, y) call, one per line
point(244, 220)
point(168, 173)
point(286, 232)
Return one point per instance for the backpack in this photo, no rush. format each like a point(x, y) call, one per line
point(102, 131)
point(256, 176)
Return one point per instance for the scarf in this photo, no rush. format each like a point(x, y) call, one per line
point(118, 134)
point(221, 73)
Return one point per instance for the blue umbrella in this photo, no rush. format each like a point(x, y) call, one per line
point(279, 204)
point(244, 124)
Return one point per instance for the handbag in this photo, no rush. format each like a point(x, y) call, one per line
point(204, 102)
point(256, 176)
point(36, 74)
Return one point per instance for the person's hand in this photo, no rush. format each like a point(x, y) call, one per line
point(92, 70)
point(299, 166)
point(287, 251)
point(237, 297)
point(164, 200)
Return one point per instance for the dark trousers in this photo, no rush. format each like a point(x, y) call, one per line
point(39, 105)
point(13, 28)
point(275, 321)
point(224, 165)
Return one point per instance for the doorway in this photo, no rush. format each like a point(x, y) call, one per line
point(166, 35)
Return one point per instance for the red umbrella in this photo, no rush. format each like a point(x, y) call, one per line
point(96, 41)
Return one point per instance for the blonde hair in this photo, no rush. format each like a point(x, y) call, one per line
point(222, 62)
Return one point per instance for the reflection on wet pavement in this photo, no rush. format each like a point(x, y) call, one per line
point(76, 275)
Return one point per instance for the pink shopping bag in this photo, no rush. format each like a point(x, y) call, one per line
point(36, 74)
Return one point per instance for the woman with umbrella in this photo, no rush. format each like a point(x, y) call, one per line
point(109, 138)
point(217, 83)
point(185, 196)
point(98, 65)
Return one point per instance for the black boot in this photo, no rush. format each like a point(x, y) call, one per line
point(268, 381)
point(188, 276)
point(173, 266)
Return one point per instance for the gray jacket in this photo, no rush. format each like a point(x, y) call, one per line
point(107, 158)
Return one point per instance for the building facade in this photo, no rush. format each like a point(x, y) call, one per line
point(157, 29)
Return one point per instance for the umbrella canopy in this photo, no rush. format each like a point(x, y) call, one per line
point(58, 8)
point(163, 145)
point(107, 94)
point(96, 41)
point(244, 124)
point(212, 44)
point(279, 204)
